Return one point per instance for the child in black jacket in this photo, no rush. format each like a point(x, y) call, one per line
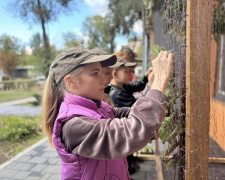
point(121, 94)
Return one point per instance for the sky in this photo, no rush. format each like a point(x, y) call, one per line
point(71, 23)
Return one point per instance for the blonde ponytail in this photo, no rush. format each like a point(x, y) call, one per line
point(52, 100)
point(53, 96)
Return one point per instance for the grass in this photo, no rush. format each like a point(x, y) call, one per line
point(12, 141)
point(18, 94)
point(10, 149)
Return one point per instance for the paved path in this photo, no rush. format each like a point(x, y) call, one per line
point(41, 162)
point(17, 102)
point(13, 108)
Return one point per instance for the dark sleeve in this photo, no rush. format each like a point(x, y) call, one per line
point(136, 85)
point(116, 138)
point(124, 99)
point(107, 89)
point(121, 112)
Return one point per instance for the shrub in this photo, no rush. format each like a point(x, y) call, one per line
point(19, 83)
point(38, 98)
point(14, 128)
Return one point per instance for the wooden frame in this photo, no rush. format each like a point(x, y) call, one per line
point(199, 18)
point(151, 157)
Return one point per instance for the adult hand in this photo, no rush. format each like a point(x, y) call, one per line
point(162, 69)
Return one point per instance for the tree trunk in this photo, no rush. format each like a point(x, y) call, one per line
point(112, 41)
point(45, 38)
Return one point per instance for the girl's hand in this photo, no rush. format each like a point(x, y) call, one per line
point(162, 69)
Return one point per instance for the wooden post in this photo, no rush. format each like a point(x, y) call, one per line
point(199, 18)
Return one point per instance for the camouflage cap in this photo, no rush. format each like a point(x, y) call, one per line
point(123, 62)
point(99, 51)
point(72, 58)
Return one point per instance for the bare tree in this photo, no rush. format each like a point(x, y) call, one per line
point(41, 12)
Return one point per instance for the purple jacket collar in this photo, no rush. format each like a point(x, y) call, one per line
point(78, 100)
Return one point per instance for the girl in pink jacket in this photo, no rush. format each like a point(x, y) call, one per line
point(91, 137)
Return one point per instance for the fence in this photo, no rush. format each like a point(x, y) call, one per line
point(193, 130)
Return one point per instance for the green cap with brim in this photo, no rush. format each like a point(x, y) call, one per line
point(72, 58)
point(117, 65)
point(99, 51)
point(123, 62)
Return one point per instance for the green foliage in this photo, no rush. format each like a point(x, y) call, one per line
point(147, 150)
point(171, 128)
point(124, 13)
point(36, 45)
point(8, 62)
point(16, 84)
point(152, 6)
point(34, 11)
point(139, 52)
point(173, 14)
point(70, 40)
point(172, 163)
point(175, 17)
point(25, 59)
point(219, 20)
point(148, 6)
point(156, 49)
point(101, 35)
point(9, 48)
point(10, 44)
point(41, 12)
point(42, 62)
point(14, 128)
point(8, 149)
point(21, 93)
point(38, 98)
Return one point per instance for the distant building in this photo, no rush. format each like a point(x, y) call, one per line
point(134, 45)
point(2, 74)
point(24, 72)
